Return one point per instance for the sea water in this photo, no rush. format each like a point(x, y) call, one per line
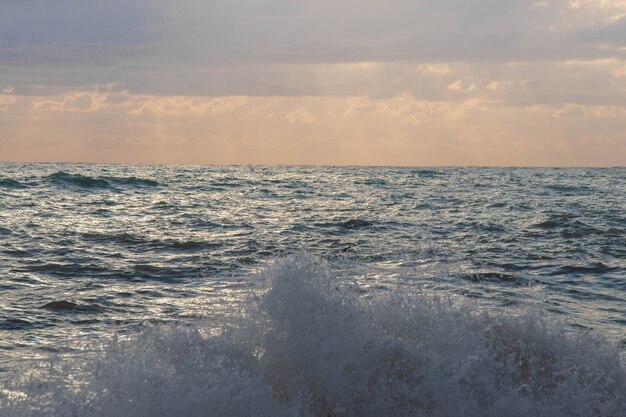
point(311, 291)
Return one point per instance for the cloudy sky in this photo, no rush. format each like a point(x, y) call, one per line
point(394, 82)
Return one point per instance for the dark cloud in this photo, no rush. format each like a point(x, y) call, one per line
point(275, 47)
point(53, 22)
point(613, 34)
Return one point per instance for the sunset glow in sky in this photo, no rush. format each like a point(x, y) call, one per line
point(395, 82)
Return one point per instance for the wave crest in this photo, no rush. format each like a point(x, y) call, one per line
point(313, 345)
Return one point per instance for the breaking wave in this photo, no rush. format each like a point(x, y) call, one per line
point(311, 344)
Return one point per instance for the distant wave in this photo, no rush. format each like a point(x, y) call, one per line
point(338, 226)
point(312, 346)
point(13, 324)
point(131, 240)
point(83, 181)
point(77, 180)
point(425, 173)
point(356, 224)
point(133, 181)
point(10, 183)
point(65, 306)
point(568, 226)
point(563, 188)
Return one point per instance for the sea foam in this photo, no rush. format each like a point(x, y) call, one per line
point(310, 344)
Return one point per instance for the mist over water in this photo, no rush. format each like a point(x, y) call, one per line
point(324, 291)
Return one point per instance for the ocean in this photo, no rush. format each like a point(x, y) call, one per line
point(147, 290)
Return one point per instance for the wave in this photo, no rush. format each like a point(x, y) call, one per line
point(594, 268)
point(310, 344)
point(426, 173)
point(131, 240)
point(340, 226)
point(14, 324)
point(119, 238)
point(64, 306)
point(133, 181)
point(190, 245)
point(84, 181)
point(77, 180)
point(356, 224)
point(11, 183)
point(570, 189)
point(568, 226)
point(498, 277)
point(64, 269)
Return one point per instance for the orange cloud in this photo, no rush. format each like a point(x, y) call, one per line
point(181, 105)
point(76, 101)
point(400, 130)
point(6, 100)
point(300, 115)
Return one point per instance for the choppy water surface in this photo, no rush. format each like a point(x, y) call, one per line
point(523, 258)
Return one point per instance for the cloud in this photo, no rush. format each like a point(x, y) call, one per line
point(456, 86)
point(181, 105)
point(399, 130)
point(71, 22)
point(433, 69)
point(357, 81)
point(6, 100)
point(300, 115)
point(239, 47)
point(79, 101)
point(611, 34)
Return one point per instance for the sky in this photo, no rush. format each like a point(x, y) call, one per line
point(350, 82)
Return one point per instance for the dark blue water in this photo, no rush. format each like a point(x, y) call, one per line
point(93, 252)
